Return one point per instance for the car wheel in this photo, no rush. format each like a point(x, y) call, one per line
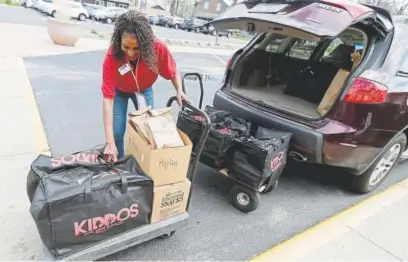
point(379, 170)
point(109, 21)
point(244, 198)
point(82, 17)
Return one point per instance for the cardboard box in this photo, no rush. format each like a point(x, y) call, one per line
point(170, 200)
point(164, 166)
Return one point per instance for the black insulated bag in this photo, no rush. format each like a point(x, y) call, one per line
point(191, 124)
point(45, 165)
point(224, 130)
point(77, 206)
point(259, 158)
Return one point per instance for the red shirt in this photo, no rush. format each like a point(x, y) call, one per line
point(145, 77)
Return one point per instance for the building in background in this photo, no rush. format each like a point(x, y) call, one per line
point(210, 9)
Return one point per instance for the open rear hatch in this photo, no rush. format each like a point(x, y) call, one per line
point(292, 84)
point(322, 19)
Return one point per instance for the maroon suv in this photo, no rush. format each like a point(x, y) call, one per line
point(333, 73)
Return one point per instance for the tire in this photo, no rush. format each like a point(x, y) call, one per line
point(53, 13)
point(82, 17)
point(109, 21)
point(167, 236)
point(244, 198)
point(370, 179)
point(271, 187)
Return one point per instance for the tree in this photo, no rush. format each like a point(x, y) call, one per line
point(386, 4)
point(173, 7)
point(400, 6)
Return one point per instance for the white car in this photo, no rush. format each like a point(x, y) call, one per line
point(75, 10)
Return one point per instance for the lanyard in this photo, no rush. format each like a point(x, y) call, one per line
point(133, 74)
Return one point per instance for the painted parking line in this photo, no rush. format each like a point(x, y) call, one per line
point(330, 229)
point(220, 59)
point(39, 131)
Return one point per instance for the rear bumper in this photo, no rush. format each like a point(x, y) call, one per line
point(304, 141)
point(327, 145)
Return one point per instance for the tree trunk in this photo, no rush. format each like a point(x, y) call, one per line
point(173, 7)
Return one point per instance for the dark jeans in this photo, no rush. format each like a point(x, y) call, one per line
point(120, 110)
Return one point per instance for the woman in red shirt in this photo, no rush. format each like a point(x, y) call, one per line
point(132, 64)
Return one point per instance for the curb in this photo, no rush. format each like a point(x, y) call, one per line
point(333, 227)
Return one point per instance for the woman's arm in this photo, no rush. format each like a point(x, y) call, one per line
point(168, 70)
point(108, 120)
point(108, 91)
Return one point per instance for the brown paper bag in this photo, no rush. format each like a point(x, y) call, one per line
point(162, 129)
point(336, 85)
point(332, 92)
point(139, 122)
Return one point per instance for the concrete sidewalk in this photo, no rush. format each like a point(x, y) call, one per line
point(373, 230)
point(21, 125)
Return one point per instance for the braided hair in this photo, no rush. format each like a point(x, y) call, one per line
point(136, 24)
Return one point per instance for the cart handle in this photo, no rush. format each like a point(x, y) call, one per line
point(200, 145)
point(200, 81)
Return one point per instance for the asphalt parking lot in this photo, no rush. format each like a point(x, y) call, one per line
point(67, 90)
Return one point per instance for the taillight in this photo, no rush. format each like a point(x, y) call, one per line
point(364, 91)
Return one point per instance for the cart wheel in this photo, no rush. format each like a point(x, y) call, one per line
point(245, 198)
point(271, 187)
point(167, 236)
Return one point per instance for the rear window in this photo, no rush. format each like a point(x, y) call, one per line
point(275, 43)
point(302, 49)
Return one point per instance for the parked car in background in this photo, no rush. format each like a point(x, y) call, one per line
point(175, 22)
point(75, 10)
point(194, 24)
point(339, 86)
point(110, 14)
point(153, 19)
point(96, 12)
point(161, 20)
point(210, 30)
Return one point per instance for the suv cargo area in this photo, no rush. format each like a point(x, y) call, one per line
point(293, 74)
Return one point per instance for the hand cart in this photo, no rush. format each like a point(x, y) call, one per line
point(162, 229)
point(244, 197)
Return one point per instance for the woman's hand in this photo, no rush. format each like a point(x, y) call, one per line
point(111, 153)
point(180, 97)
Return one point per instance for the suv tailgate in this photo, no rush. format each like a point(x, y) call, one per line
point(319, 18)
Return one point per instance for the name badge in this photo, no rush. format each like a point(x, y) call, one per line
point(124, 69)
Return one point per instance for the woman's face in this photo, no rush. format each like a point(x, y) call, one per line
point(130, 46)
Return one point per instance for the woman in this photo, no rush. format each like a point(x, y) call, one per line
point(132, 65)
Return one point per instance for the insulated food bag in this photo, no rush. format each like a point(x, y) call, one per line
point(80, 201)
point(257, 159)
